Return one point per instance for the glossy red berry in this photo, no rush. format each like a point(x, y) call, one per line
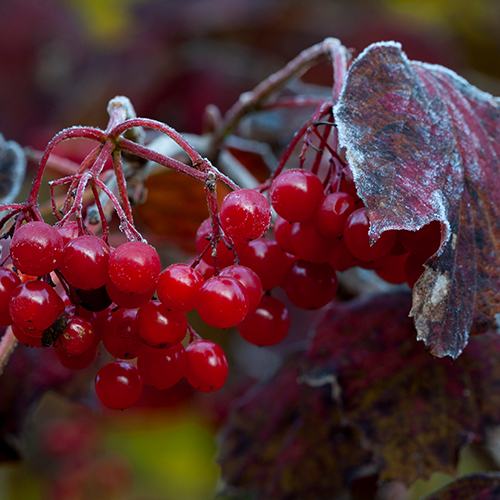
point(178, 286)
point(75, 362)
point(85, 262)
point(268, 324)
point(207, 366)
point(77, 337)
point(134, 267)
point(118, 385)
point(310, 286)
point(357, 239)
point(34, 305)
point(331, 213)
point(249, 279)
point(8, 281)
point(225, 255)
point(162, 368)
point(25, 338)
point(68, 232)
point(425, 241)
point(295, 194)
point(267, 259)
point(159, 327)
point(36, 248)
point(121, 335)
point(309, 244)
point(222, 302)
point(245, 215)
point(282, 230)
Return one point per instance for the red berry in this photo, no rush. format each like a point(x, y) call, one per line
point(178, 286)
point(159, 327)
point(118, 385)
point(267, 259)
point(225, 255)
point(268, 324)
point(414, 267)
point(78, 336)
point(68, 232)
point(134, 267)
point(85, 262)
point(36, 248)
point(245, 215)
point(207, 367)
point(309, 244)
point(391, 268)
point(282, 230)
point(310, 286)
point(34, 305)
point(162, 368)
point(342, 259)
point(25, 338)
point(77, 362)
point(121, 336)
point(357, 239)
point(426, 241)
point(249, 279)
point(8, 281)
point(222, 302)
point(295, 194)
point(332, 212)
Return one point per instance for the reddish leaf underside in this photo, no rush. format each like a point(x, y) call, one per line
point(415, 412)
point(423, 145)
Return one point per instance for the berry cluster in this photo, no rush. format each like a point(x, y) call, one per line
point(69, 290)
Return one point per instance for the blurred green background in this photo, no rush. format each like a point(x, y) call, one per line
point(61, 61)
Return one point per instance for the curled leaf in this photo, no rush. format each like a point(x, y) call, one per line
point(424, 145)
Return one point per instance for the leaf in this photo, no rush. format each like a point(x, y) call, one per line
point(285, 441)
point(478, 486)
point(415, 412)
point(423, 145)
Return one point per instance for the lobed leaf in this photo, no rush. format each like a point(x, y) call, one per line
point(414, 412)
point(424, 145)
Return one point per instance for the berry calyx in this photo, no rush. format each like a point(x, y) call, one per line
point(207, 366)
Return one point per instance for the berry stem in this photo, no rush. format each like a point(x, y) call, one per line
point(253, 100)
point(7, 346)
point(194, 156)
point(192, 334)
point(66, 134)
point(122, 186)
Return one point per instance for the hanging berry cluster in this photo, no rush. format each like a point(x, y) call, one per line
point(62, 287)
